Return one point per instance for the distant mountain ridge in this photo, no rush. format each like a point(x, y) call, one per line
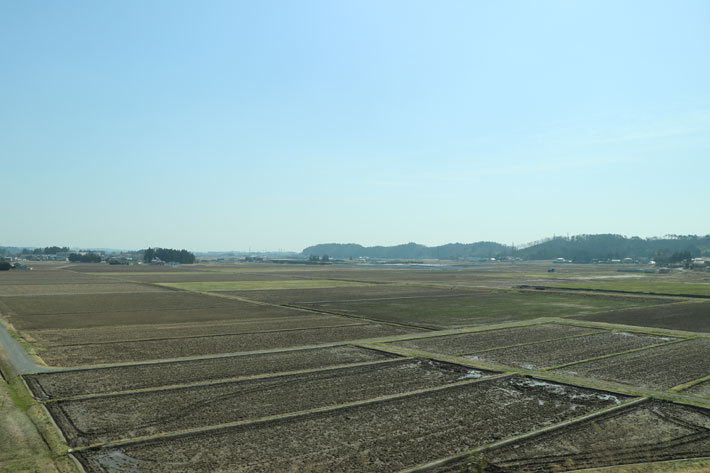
point(578, 248)
point(481, 249)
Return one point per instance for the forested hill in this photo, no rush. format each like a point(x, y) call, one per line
point(584, 248)
point(579, 248)
point(485, 249)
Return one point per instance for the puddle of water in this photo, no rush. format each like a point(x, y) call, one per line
point(472, 374)
point(562, 390)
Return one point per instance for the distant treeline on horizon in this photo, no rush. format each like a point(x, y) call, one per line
point(579, 248)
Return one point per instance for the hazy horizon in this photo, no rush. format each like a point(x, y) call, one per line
point(299, 250)
point(276, 126)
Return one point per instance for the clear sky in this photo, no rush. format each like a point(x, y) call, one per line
point(276, 125)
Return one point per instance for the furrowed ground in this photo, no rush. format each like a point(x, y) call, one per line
point(262, 367)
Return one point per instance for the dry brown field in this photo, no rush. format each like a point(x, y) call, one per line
point(108, 418)
point(487, 339)
point(382, 436)
point(81, 382)
point(691, 316)
point(388, 373)
point(560, 352)
point(647, 432)
point(660, 367)
point(135, 351)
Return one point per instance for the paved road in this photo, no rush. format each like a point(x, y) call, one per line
point(21, 361)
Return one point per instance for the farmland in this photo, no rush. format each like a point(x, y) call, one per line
point(661, 367)
point(248, 367)
point(479, 308)
point(691, 316)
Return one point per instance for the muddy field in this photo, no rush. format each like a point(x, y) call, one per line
point(658, 368)
point(236, 310)
point(484, 340)
point(72, 288)
point(65, 384)
point(52, 337)
point(104, 303)
point(479, 308)
point(690, 316)
point(383, 436)
point(76, 355)
point(650, 431)
point(700, 389)
point(380, 292)
point(104, 419)
point(559, 352)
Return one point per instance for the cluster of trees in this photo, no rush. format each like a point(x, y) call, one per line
point(5, 266)
point(49, 250)
point(85, 258)
point(586, 248)
point(664, 257)
point(168, 255)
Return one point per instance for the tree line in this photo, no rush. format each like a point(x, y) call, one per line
point(168, 255)
point(85, 258)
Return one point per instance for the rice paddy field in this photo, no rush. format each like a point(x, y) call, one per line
point(266, 367)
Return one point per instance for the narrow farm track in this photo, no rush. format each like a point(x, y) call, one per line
point(22, 363)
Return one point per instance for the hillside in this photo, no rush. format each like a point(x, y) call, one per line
point(482, 249)
point(579, 248)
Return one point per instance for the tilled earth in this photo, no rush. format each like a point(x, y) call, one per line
point(690, 316)
point(54, 337)
point(382, 436)
point(658, 368)
point(646, 432)
point(108, 418)
point(476, 341)
point(76, 355)
point(558, 352)
point(701, 389)
point(64, 384)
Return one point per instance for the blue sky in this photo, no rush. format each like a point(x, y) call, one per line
point(277, 125)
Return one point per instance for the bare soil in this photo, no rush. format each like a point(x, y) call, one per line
point(690, 316)
point(235, 311)
point(380, 292)
point(104, 303)
point(558, 352)
point(657, 368)
point(186, 330)
point(76, 355)
point(701, 389)
point(475, 308)
point(484, 340)
point(103, 419)
point(65, 384)
point(651, 431)
point(383, 436)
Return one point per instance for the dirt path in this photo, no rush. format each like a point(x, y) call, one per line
point(21, 362)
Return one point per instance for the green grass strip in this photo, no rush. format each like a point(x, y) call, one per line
point(220, 286)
